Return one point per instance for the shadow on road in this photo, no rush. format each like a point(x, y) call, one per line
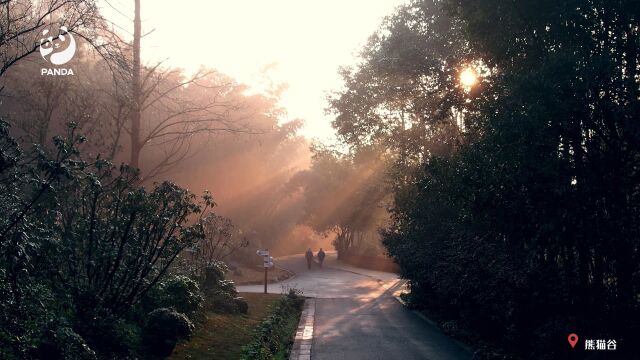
point(358, 318)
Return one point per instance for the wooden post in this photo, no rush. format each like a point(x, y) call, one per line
point(265, 279)
point(266, 262)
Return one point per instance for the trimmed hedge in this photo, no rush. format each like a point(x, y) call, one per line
point(273, 335)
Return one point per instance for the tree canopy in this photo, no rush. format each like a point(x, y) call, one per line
point(523, 228)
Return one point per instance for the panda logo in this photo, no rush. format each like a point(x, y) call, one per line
point(60, 50)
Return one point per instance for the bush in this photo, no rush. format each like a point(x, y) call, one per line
point(213, 275)
point(295, 298)
point(183, 294)
point(221, 295)
point(221, 302)
point(178, 292)
point(64, 344)
point(24, 326)
point(110, 337)
point(163, 330)
point(241, 305)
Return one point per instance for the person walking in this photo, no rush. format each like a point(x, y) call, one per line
point(309, 256)
point(321, 256)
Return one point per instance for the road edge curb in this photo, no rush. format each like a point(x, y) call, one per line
point(292, 274)
point(301, 349)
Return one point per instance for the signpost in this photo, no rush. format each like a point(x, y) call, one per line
point(267, 262)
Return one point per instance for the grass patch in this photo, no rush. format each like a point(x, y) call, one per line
point(255, 275)
point(222, 336)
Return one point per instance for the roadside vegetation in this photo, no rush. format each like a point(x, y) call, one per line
point(266, 331)
point(273, 338)
point(104, 252)
point(223, 336)
point(490, 148)
point(510, 136)
point(92, 263)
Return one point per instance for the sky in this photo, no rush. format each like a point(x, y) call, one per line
point(301, 42)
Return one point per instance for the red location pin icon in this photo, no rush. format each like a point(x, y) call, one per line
point(573, 340)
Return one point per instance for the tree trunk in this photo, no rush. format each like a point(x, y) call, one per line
point(136, 90)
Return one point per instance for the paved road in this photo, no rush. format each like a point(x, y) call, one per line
point(356, 316)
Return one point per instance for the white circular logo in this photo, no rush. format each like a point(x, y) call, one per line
point(60, 50)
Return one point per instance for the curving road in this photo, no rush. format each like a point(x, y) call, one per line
point(357, 317)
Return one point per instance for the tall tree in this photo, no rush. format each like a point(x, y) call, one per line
point(404, 93)
point(176, 117)
point(540, 198)
point(136, 90)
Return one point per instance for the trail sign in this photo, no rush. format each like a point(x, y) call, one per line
point(268, 261)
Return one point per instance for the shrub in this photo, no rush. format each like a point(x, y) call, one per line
point(222, 302)
point(163, 330)
point(111, 337)
point(64, 344)
point(183, 294)
point(241, 305)
point(213, 275)
point(178, 292)
point(221, 295)
point(295, 298)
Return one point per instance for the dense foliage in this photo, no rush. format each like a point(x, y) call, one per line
point(89, 251)
point(83, 250)
point(516, 201)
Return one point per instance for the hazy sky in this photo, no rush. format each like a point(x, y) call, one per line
point(306, 40)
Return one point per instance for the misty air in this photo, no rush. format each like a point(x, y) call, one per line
point(319, 180)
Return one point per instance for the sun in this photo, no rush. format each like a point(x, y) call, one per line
point(468, 77)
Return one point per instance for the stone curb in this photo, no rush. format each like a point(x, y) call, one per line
point(304, 333)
